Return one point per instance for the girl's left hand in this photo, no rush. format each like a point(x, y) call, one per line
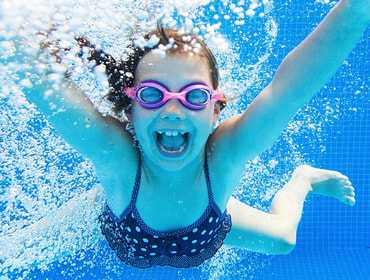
point(327, 182)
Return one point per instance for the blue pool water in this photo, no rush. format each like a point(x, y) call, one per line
point(333, 240)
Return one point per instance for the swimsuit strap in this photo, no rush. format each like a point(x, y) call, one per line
point(137, 181)
point(208, 181)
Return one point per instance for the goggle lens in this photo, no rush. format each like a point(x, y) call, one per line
point(197, 96)
point(150, 95)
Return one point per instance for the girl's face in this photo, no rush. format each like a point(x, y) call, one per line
point(174, 71)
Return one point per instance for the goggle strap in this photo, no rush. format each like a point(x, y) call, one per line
point(130, 91)
point(218, 95)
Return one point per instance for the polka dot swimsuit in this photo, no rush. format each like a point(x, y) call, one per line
point(139, 245)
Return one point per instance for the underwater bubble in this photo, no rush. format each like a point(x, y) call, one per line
point(250, 12)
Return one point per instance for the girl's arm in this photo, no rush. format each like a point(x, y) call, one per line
point(275, 232)
point(258, 231)
point(63, 232)
point(301, 74)
point(102, 139)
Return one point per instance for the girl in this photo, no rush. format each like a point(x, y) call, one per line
point(168, 184)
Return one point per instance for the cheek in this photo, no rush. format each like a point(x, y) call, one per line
point(204, 121)
point(140, 119)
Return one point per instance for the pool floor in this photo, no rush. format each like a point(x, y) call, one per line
point(331, 264)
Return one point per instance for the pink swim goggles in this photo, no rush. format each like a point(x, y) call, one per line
point(152, 95)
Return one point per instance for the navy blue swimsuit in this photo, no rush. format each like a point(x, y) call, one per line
point(136, 244)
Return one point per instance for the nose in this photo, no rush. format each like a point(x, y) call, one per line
point(173, 110)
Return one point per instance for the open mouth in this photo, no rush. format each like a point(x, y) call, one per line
point(172, 143)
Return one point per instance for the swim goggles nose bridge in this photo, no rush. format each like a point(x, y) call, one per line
point(174, 95)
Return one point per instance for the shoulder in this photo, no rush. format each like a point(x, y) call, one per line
point(117, 178)
point(224, 172)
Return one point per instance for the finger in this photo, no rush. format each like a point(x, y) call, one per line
point(350, 200)
point(351, 193)
point(339, 175)
point(344, 179)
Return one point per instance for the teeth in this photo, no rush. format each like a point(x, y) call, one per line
point(171, 132)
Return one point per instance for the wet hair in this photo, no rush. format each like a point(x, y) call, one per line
point(122, 73)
